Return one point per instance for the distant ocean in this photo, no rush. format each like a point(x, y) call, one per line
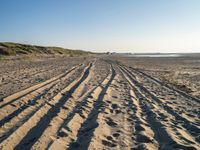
point(155, 55)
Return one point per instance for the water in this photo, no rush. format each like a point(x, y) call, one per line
point(155, 55)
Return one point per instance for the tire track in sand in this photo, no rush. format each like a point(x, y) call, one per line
point(16, 96)
point(115, 130)
point(187, 96)
point(34, 96)
point(85, 127)
point(51, 132)
point(15, 119)
point(189, 126)
point(163, 135)
point(39, 121)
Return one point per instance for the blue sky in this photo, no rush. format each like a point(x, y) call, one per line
point(104, 25)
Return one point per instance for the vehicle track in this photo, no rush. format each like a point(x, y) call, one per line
point(40, 107)
point(57, 122)
point(27, 96)
point(22, 113)
point(16, 96)
point(23, 75)
point(190, 126)
point(115, 125)
point(17, 78)
point(48, 112)
point(87, 127)
point(189, 97)
point(154, 117)
point(99, 104)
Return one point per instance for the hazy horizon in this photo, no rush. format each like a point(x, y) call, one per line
point(117, 26)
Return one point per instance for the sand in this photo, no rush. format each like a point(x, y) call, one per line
point(96, 103)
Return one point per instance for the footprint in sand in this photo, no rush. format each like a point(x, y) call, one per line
point(62, 134)
point(140, 147)
point(109, 102)
point(115, 109)
point(114, 96)
point(110, 142)
point(90, 96)
point(141, 137)
point(114, 106)
point(110, 122)
point(139, 128)
point(116, 135)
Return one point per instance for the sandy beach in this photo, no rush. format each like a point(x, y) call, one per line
point(100, 103)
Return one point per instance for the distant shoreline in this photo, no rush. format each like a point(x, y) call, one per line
point(157, 55)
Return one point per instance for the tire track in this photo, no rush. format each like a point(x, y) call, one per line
point(14, 120)
point(101, 105)
point(22, 108)
point(16, 96)
point(12, 105)
point(115, 129)
point(51, 132)
point(189, 108)
point(163, 137)
point(63, 131)
point(40, 121)
point(144, 135)
point(192, 128)
point(69, 129)
point(168, 86)
point(25, 74)
point(87, 128)
point(25, 78)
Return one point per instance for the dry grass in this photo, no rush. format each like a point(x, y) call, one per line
point(12, 49)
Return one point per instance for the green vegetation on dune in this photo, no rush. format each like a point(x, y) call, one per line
point(10, 49)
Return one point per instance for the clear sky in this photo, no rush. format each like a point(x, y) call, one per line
point(104, 25)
